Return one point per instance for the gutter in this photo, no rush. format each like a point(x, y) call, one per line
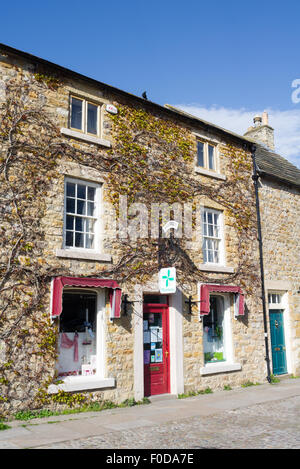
point(255, 178)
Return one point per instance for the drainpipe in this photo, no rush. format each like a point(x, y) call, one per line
point(255, 178)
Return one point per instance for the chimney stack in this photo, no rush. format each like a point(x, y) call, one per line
point(265, 118)
point(261, 131)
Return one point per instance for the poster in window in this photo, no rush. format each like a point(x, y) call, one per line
point(156, 334)
point(146, 337)
point(158, 355)
point(86, 370)
point(146, 357)
point(151, 318)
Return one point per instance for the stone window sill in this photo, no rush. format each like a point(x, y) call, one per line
point(81, 383)
point(85, 137)
point(220, 368)
point(207, 172)
point(89, 256)
point(216, 268)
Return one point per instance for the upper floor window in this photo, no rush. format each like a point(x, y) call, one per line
point(212, 236)
point(81, 214)
point(206, 156)
point(84, 116)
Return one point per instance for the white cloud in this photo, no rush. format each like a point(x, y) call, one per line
point(286, 125)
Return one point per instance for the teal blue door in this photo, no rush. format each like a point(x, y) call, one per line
point(277, 342)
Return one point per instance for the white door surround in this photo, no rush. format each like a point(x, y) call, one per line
point(176, 340)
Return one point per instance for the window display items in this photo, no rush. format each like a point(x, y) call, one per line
point(213, 337)
point(66, 342)
point(88, 329)
point(146, 337)
point(153, 338)
point(158, 355)
point(146, 357)
point(87, 370)
point(156, 334)
point(151, 318)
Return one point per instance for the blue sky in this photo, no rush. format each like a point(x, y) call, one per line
point(222, 60)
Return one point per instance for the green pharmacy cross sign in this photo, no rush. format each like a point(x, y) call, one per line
point(167, 280)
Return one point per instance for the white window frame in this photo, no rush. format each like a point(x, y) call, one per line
point(97, 216)
point(206, 145)
point(219, 239)
point(100, 379)
point(205, 170)
point(277, 296)
point(85, 103)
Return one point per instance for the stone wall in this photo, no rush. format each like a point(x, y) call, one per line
point(248, 351)
point(247, 332)
point(280, 213)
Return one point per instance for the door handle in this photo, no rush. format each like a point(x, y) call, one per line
point(167, 353)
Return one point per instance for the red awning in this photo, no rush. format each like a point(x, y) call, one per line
point(206, 289)
point(59, 283)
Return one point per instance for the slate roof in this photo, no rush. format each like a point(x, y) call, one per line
point(272, 165)
point(169, 110)
point(269, 163)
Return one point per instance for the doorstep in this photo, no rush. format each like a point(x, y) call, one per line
point(161, 397)
point(284, 376)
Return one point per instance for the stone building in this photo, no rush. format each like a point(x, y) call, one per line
point(106, 293)
point(279, 197)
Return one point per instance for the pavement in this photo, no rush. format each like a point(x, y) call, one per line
point(263, 416)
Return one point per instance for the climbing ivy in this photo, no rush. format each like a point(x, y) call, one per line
point(154, 162)
point(151, 161)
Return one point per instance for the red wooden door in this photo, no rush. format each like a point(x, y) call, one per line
point(156, 349)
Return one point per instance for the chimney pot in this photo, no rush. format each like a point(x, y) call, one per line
point(257, 120)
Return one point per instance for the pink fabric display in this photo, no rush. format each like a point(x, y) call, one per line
point(68, 343)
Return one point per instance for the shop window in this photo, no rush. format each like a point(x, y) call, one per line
point(78, 334)
point(213, 332)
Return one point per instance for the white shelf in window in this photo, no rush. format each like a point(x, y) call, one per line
point(81, 383)
point(216, 268)
point(213, 368)
point(207, 172)
point(85, 137)
point(84, 255)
